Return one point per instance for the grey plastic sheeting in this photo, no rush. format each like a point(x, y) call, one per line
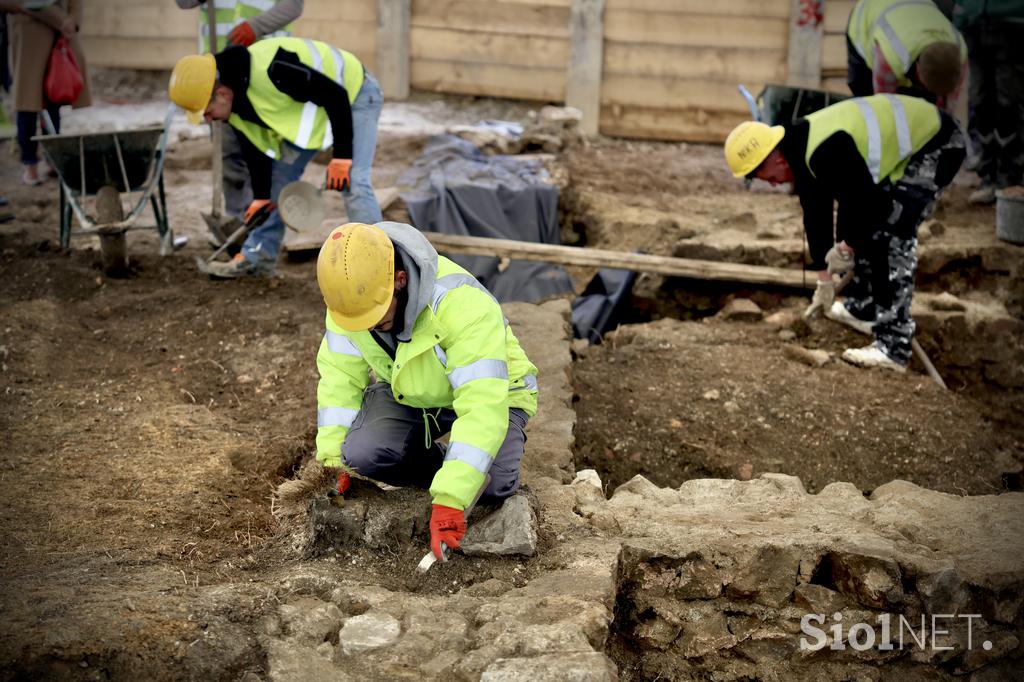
point(455, 188)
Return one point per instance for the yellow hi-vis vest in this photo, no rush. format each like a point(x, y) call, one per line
point(887, 129)
point(902, 29)
point(230, 13)
point(462, 355)
point(304, 124)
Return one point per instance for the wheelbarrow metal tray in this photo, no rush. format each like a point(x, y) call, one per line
point(96, 154)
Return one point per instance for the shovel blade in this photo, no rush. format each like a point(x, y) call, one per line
point(221, 226)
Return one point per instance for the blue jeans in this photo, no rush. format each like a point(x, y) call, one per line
point(264, 243)
point(360, 201)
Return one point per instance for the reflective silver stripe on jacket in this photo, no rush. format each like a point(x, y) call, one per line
point(335, 416)
point(441, 355)
point(529, 383)
point(481, 369)
point(309, 109)
point(339, 343)
point(445, 284)
point(874, 139)
point(902, 126)
point(339, 74)
point(890, 33)
point(469, 454)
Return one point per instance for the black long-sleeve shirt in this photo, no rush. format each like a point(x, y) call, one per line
point(840, 175)
point(293, 79)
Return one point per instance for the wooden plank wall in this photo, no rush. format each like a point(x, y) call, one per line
point(501, 48)
point(350, 25)
point(833, 46)
point(671, 68)
point(137, 34)
point(154, 34)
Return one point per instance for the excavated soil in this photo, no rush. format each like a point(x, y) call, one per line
point(148, 419)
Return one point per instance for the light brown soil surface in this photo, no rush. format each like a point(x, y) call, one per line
point(147, 420)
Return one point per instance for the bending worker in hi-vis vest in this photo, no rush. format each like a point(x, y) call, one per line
point(445, 361)
point(239, 22)
point(884, 159)
point(907, 47)
point(286, 99)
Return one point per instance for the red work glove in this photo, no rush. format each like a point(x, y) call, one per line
point(447, 525)
point(344, 481)
point(242, 35)
point(337, 174)
point(259, 210)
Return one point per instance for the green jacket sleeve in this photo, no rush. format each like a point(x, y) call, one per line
point(477, 367)
point(344, 374)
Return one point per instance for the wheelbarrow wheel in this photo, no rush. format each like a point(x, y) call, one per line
point(113, 245)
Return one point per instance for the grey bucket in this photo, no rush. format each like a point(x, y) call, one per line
point(1010, 217)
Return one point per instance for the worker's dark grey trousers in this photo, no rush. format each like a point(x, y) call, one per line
point(883, 277)
point(394, 443)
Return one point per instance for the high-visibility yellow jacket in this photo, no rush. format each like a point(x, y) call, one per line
point(902, 29)
point(304, 124)
point(887, 129)
point(460, 354)
point(230, 13)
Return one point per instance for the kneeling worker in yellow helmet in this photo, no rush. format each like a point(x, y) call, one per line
point(883, 159)
point(446, 361)
point(286, 98)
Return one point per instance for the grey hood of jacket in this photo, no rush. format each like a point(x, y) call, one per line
point(419, 258)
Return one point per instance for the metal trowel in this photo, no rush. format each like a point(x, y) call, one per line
point(429, 560)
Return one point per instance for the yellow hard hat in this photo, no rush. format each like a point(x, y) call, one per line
point(191, 84)
point(749, 144)
point(356, 274)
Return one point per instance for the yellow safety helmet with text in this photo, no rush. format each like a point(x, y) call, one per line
point(192, 82)
point(749, 144)
point(356, 274)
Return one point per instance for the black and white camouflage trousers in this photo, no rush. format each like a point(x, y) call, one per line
point(883, 281)
point(882, 289)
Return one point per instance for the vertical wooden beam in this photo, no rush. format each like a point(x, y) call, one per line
point(805, 28)
point(586, 54)
point(393, 47)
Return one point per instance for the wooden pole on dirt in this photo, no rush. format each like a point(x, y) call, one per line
point(216, 128)
point(660, 265)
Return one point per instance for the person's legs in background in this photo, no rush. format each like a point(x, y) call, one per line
point(30, 124)
point(360, 201)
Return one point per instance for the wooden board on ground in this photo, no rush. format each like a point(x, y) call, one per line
point(314, 239)
point(661, 265)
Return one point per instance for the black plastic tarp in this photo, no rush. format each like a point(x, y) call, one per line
point(454, 188)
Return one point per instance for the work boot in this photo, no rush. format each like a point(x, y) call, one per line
point(872, 356)
point(984, 195)
point(237, 267)
point(839, 313)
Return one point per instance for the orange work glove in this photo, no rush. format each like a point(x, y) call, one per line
point(337, 174)
point(447, 525)
point(344, 481)
point(242, 35)
point(258, 212)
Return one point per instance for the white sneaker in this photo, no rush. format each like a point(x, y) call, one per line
point(839, 313)
point(983, 196)
point(872, 356)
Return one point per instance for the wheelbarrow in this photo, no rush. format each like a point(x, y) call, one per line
point(784, 104)
point(105, 165)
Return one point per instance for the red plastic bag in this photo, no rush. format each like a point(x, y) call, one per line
point(63, 82)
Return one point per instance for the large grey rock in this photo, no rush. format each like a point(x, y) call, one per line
point(510, 530)
point(372, 630)
point(287, 662)
point(309, 622)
